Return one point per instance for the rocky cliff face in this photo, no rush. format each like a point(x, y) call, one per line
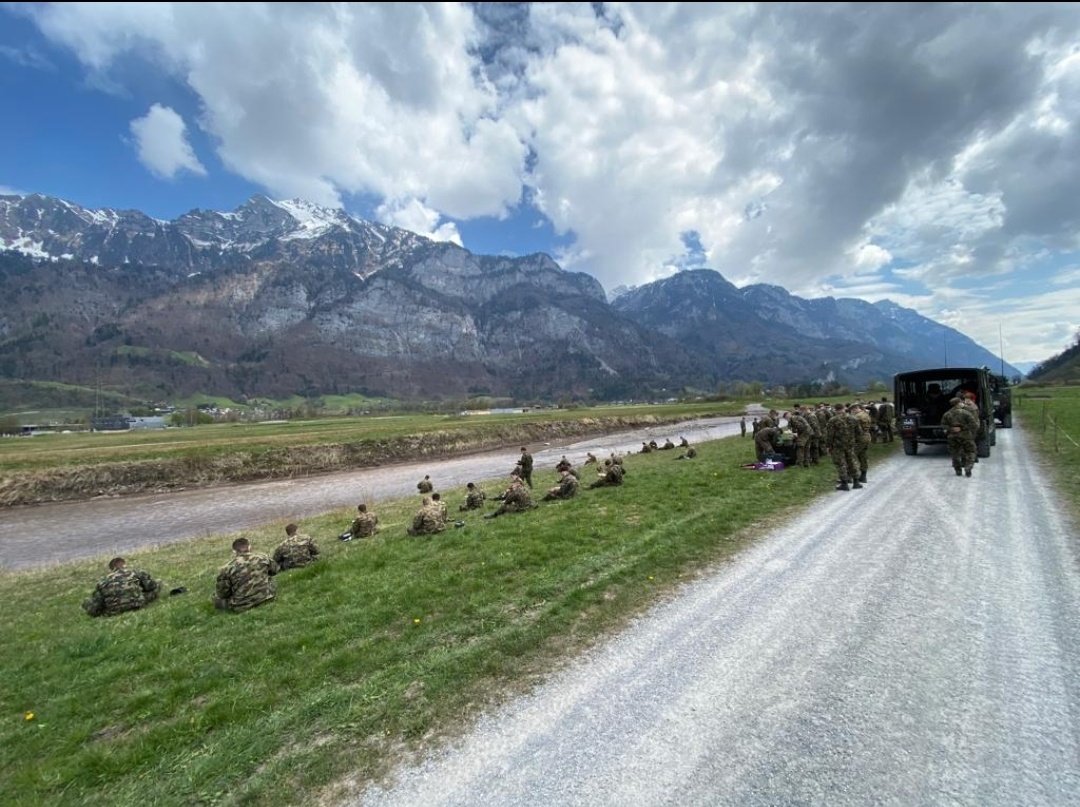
point(277, 298)
point(282, 297)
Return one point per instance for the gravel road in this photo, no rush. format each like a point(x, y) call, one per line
point(38, 535)
point(913, 643)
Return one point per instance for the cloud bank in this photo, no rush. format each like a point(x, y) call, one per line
point(926, 153)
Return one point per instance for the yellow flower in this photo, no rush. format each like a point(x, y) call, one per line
point(650, 577)
point(416, 621)
point(29, 716)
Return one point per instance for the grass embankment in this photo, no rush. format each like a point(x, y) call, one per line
point(1051, 415)
point(72, 466)
point(382, 645)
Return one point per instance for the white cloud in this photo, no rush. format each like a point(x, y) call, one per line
point(411, 214)
point(7, 190)
point(161, 141)
point(818, 148)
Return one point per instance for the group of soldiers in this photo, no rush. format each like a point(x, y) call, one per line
point(242, 583)
point(843, 431)
point(432, 517)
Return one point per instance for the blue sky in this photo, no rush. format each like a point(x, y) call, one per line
point(925, 154)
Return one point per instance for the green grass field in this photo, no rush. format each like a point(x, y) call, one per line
point(1051, 415)
point(383, 644)
point(83, 448)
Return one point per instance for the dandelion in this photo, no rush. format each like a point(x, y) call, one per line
point(29, 716)
point(416, 621)
point(650, 577)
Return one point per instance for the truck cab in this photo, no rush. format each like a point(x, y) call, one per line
point(922, 397)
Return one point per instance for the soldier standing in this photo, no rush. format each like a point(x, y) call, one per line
point(886, 419)
point(961, 426)
point(244, 582)
point(121, 590)
point(863, 438)
point(526, 463)
point(742, 427)
point(803, 435)
point(839, 437)
point(296, 550)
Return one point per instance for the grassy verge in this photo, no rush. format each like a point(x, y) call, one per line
point(1051, 415)
point(381, 645)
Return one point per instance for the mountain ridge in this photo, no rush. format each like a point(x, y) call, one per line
point(284, 297)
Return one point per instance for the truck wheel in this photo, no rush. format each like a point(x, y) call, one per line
point(1007, 421)
point(982, 447)
point(911, 447)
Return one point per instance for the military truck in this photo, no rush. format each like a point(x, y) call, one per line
point(1002, 395)
point(922, 397)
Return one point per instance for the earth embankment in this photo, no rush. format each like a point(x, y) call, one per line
point(72, 483)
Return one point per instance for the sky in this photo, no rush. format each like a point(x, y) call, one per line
point(924, 153)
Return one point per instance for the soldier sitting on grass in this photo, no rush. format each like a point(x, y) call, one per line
point(121, 590)
point(612, 474)
point(428, 519)
point(364, 525)
point(474, 498)
point(244, 582)
point(296, 551)
point(516, 499)
point(566, 489)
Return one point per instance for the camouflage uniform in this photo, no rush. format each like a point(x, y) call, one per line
point(668, 445)
point(244, 582)
point(122, 590)
point(863, 440)
point(886, 420)
point(765, 441)
point(526, 463)
point(961, 427)
point(364, 525)
point(474, 500)
point(428, 520)
point(742, 427)
point(613, 475)
point(566, 489)
point(425, 486)
point(295, 551)
point(563, 465)
point(517, 499)
point(645, 448)
point(803, 435)
point(839, 437)
point(590, 459)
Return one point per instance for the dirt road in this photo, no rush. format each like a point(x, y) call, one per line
point(915, 642)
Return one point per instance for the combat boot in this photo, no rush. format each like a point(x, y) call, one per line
point(855, 485)
point(958, 470)
point(967, 472)
point(843, 485)
point(862, 476)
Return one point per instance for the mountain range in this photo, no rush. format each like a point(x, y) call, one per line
point(285, 297)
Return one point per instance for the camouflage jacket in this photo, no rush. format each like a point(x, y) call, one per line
point(428, 520)
point(839, 436)
point(120, 591)
point(295, 551)
point(244, 582)
point(767, 437)
point(526, 462)
point(568, 486)
point(964, 418)
point(866, 425)
point(475, 500)
point(517, 498)
point(364, 525)
point(424, 486)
